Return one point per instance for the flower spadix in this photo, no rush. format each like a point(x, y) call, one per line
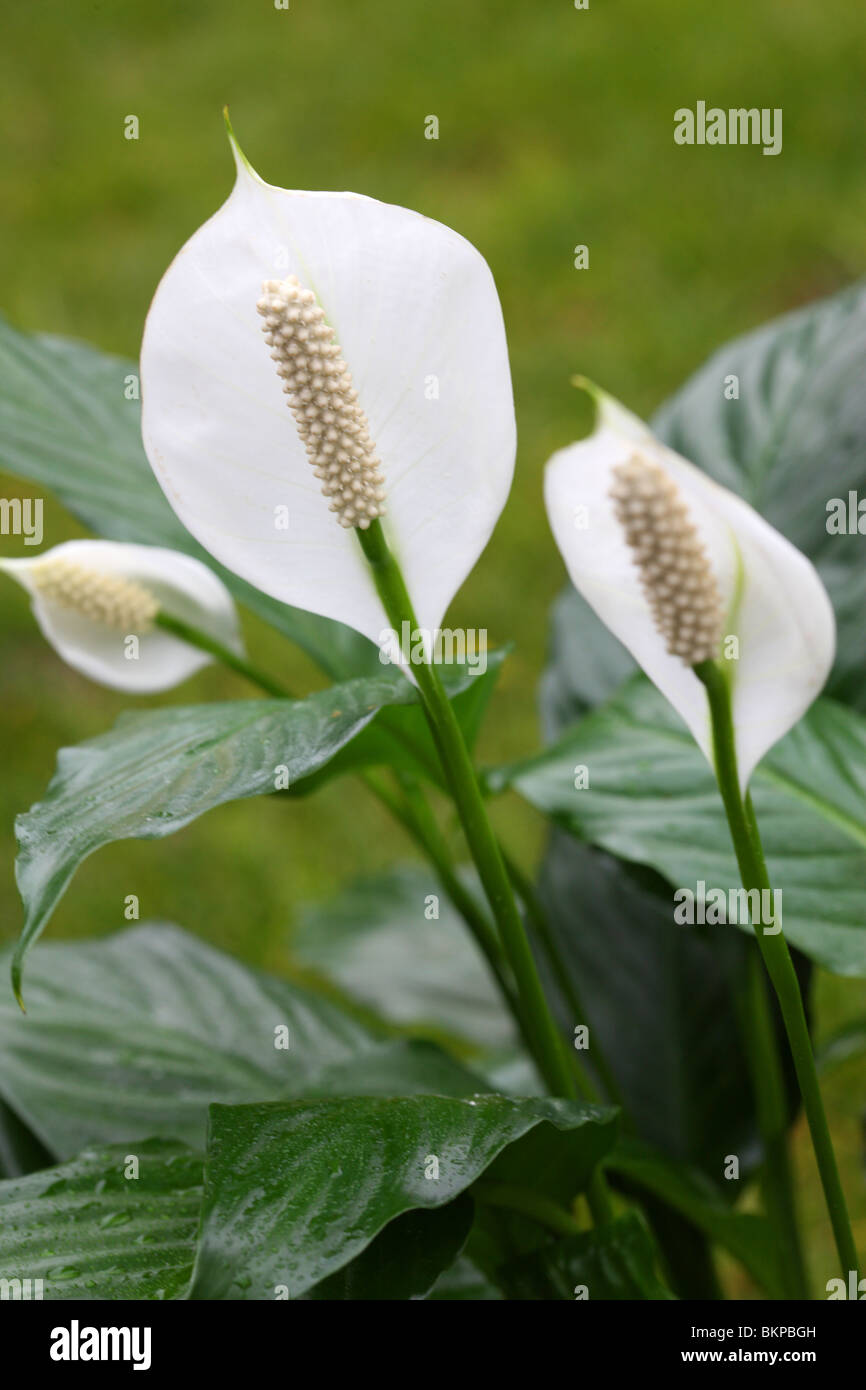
point(312, 362)
point(91, 597)
point(683, 571)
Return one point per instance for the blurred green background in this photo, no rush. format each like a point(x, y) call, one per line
point(556, 129)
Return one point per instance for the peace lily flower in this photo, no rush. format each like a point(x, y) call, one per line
point(312, 359)
point(677, 566)
point(91, 597)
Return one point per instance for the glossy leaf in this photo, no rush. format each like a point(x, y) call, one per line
point(653, 800)
point(91, 1230)
point(296, 1190)
point(137, 1033)
point(157, 770)
point(405, 1259)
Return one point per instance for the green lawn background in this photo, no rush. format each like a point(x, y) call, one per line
point(556, 128)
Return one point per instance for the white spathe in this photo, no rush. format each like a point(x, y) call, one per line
point(416, 312)
point(182, 586)
point(773, 599)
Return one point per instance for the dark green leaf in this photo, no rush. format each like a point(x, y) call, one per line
point(747, 1237)
point(137, 1033)
point(612, 1262)
point(660, 1001)
point(91, 1230)
point(794, 439)
point(376, 941)
point(20, 1150)
point(652, 799)
point(295, 1191)
point(65, 423)
point(684, 1252)
point(406, 1258)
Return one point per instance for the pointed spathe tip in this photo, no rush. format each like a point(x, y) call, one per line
point(595, 393)
point(610, 413)
point(242, 164)
point(583, 383)
point(18, 568)
point(589, 387)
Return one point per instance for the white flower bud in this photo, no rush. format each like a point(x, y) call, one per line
point(97, 603)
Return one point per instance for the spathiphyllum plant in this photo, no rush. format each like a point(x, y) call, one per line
point(506, 1083)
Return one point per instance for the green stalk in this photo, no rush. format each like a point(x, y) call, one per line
point(473, 814)
point(777, 959)
point(549, 1048)
point(777, 1184)
point(194, 637)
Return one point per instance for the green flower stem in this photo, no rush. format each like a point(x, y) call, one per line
point(473, 814)
point(777, 958)
point(549, 1049)
point(194, 637)
point(777, 1183)
point(541, 1209)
